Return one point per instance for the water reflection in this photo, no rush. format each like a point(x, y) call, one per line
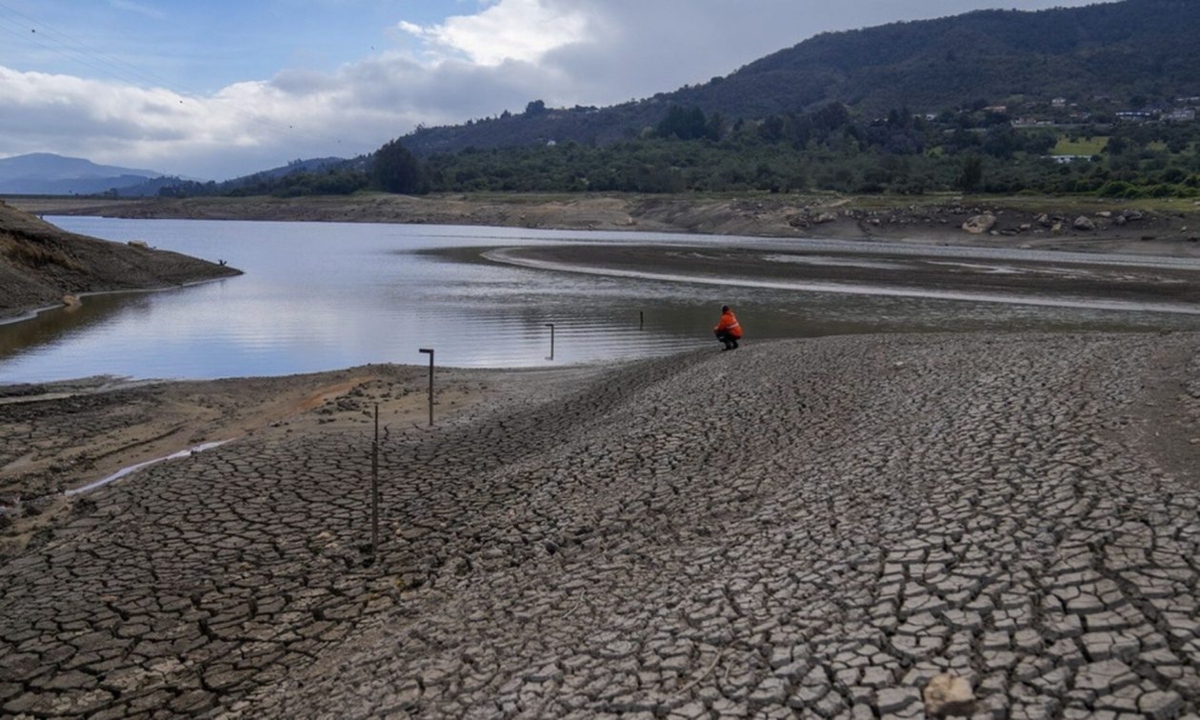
point(61, 323)
point(320, 296)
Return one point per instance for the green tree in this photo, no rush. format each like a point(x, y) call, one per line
point(772, 128)
point(1116, 145)
point(683, 123)
point(394, 169)
point(716, 127)
point(1001, 141)
point(971, 176)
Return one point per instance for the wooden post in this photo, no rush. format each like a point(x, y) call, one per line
point(641, 319)
point(551, 326)
point(430, 351)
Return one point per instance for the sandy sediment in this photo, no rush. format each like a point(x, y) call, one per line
point(1104, 225)
point(815, 526)
point(886, 266)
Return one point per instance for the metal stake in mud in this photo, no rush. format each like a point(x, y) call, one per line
point(551, 326)
point(430, 351)
point(375, 488)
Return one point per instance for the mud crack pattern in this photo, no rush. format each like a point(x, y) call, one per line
point(795, 529)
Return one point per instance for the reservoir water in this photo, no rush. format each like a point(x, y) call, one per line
point(320, 296)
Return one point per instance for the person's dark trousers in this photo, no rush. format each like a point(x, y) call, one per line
point(728, 340)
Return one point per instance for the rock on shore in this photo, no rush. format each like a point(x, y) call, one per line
point(820, 526)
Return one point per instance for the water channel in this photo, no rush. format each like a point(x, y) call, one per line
point(321, 296)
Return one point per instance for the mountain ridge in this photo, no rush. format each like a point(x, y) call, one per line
point(53, 174)
point(1106, 50)
point(1082, 65)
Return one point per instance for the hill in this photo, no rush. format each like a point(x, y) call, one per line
point(326, 175)
point(40, 264)
point(49, 174)
point(1103, 58)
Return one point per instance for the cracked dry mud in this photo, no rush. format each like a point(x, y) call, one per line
point(795, 529)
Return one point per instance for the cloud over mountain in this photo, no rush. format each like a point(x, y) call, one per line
point(484, 59)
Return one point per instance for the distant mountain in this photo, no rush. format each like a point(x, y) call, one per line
point(312, 165)
point(248, 184)
point(295, 166)
point(49, 174)
point(1110, 57)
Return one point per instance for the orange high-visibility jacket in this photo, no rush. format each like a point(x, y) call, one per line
point(729, 324)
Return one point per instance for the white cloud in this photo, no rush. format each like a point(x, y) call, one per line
point(139, 8)
point(521, 30)
point(565, 52)
point(122, 124)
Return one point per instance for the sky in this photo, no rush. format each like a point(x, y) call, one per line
point(216, 89)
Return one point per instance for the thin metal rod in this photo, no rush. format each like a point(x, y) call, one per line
point(430, 351)
point(375, 488)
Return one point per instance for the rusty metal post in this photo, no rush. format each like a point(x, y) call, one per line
point(430, 351)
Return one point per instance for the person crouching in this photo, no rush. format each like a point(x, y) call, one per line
point(728, 330)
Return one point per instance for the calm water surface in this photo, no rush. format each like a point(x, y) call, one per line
point(320, 296)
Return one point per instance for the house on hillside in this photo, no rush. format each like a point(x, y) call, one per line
point(1181, 115)
point(1135, 116)
point(1068, 159)
point(1058, 102)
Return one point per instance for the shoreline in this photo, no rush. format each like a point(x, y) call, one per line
point(936, 221)
point(1073, 282)
point(41, 265)
point(61, 435)
point(1039, 222)
point(33, 313)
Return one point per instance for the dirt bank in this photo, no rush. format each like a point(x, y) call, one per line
point(1161, 227)
point(41, 265)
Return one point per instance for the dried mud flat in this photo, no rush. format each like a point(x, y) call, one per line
point(59, 437)
point(809, 528)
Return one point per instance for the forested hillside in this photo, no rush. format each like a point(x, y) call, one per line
point(1103, 58)
point(1091, 55)
point(1101, 99)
